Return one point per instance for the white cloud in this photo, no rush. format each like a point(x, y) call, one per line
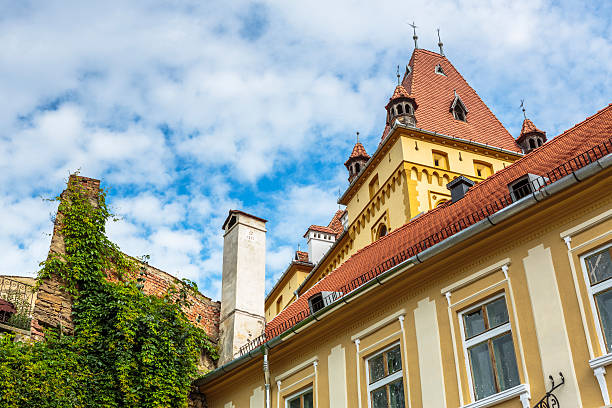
point(187, 110)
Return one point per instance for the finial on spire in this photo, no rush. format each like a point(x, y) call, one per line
point(440, 44)
point(523, 108)
point(398, 76)
point(357, 137)
point(414, 36)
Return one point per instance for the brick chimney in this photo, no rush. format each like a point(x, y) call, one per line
point(243, 284)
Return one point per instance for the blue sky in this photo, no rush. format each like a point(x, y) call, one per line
point(187, 109)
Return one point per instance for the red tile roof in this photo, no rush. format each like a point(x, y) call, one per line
point(358, 152)
point(434, 93)
point(301, 256)
point(400, 92)
point(529, 127)
point(334, 227)
point(592, 132)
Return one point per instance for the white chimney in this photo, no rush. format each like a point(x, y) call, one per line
point(319, 242)
point(243, 284)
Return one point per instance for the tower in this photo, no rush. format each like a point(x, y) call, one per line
point(531, 137)
point(243, 282)
point(357, 160)
point(401, 107)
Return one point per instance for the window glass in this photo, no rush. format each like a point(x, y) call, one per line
point(604, 308)
point(394, 360)
point(379, 398)
point(497, 313)
point(482, 371)
point(474, 323)
point(599, 266)
point(505, 362)
point(308, 400)
point(396, 394)
point(377, 368)
point(295, 403)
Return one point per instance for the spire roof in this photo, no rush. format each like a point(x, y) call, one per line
point(434, 93)
point(358, 152)
point(529, 127)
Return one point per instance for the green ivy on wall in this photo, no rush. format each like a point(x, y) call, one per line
point(128, 349)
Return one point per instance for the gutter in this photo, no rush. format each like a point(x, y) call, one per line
point(428, 132)
point(475, 229)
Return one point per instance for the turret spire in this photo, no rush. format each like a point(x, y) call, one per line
point(440, 44)
point(398, 75)
point(414, 36)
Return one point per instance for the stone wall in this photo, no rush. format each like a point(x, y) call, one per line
point(53, 307)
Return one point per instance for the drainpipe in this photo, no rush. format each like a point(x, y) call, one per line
point(266, 367)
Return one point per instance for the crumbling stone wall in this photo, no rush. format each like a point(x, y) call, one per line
point(196, 399)
point(53, 307)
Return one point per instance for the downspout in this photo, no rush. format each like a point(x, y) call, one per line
point(266, 367)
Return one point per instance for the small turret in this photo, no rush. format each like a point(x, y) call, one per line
point(357, 160)
point(401, 106)
point(531, 137)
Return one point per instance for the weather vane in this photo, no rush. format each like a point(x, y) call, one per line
point(440, 44)
point(414, 36)
point(398, 76)
point(357, 137)
point(523, 108)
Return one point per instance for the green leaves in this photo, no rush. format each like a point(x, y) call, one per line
point(128, 349)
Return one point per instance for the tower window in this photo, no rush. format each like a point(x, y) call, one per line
point(382, 231)
point(440, 159)
point(539, 142)
point(459, 109)
point(532, 144)
point(357, 168)
point(439, 70)
point(399, 109)
point(482, 169)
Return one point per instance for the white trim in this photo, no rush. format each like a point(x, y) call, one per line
point(599, 373)
point(592, 290)
point(357, 360)
point(371, 346)
point(473, 295)
point(379, 324)
point(589, 242)
point(297, 382)
point(297, 368)
point(579, 295)
point(518, 329)
point(278, 388)
point(598, 219)
point(521, 391)
point(488, 334)
point(476, 276)
point(297, 394)
point(601, 361)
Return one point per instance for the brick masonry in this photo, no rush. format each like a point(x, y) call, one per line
point(53, 307)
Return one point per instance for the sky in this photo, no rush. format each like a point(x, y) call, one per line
point(186, 109)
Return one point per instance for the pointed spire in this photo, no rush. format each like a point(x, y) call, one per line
point(531, 137)
point(398, 76)
point(440, 44)
point(414, 36)
point(523, 108)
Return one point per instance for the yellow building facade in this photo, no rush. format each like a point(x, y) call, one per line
point(486, 318)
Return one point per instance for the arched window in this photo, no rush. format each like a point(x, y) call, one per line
point(442, 201)
point(539, 142)
point(399, 109)
point(356, 167)
point(408, 108)
point(382, 231)
point(532, 143)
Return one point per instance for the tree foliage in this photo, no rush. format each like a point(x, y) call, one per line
point(128, 349)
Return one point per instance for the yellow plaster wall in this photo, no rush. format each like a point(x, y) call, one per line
point(476, 266)
point(286, 288)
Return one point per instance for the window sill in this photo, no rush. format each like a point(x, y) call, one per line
point(601, 361)
point(494, 399)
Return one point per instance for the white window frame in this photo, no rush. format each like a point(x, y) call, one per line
point(594, 290)
point(386, 380)
point(298, 394)
point(491, 333)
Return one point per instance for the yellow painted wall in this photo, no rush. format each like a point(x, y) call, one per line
point(289, 283)
point(409, 184)
point(471, 272)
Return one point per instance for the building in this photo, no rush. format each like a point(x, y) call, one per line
point(471, 269)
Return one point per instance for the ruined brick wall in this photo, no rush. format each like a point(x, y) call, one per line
point(53, 307)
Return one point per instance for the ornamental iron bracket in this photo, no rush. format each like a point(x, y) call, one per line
point(550, 400)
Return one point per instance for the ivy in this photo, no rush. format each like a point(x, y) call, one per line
point(128, 349)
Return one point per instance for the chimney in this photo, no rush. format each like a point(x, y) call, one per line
point(243, 282)
point(319, 243)
point(458, 187)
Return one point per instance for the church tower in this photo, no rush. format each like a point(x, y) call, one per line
point(531, 137)
point(357, 160)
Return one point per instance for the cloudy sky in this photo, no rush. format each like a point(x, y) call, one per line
point(187, 109)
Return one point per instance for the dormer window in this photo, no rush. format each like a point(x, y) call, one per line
point(439, 70)
point(408, 70)
point(459, 109)
point(526, 185)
